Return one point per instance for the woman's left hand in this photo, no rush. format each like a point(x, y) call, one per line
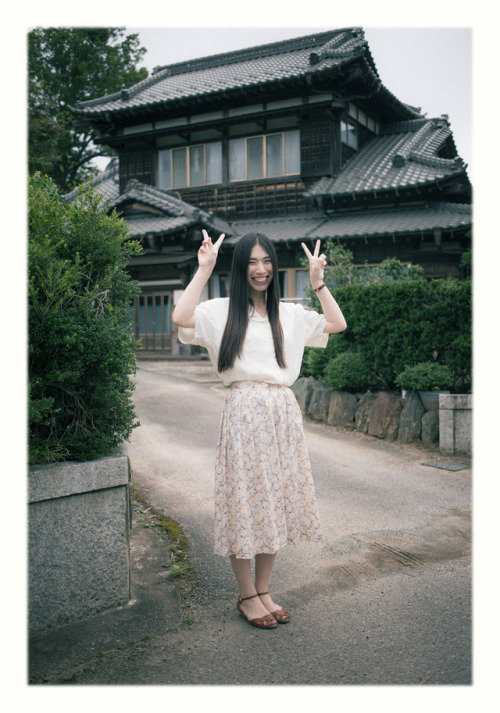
point(317, 265)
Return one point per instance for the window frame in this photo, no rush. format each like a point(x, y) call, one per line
point(345, 133)
point(265, 175)
point(187, 149)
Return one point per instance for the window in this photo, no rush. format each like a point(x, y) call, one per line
point(220, 285)
point(213, 162)
point(150, 319)
point(348, 134)
point(302, 283)
point(255, 155)
point(190, 166)
point(264, 156)
point(179, 168)
point(362, 118)
point(237, 161)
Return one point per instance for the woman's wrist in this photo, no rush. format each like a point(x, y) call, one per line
point(319, 286)
point(206, 270)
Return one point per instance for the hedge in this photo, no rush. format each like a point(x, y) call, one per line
point(80, 351)
point(394, 325)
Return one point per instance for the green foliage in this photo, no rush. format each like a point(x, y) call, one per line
point(466, 259)
point(81, 354)
point(397, 324)
point(348, 372)
point(392, 270)
point(315, 360)
point(426, 376)
point(341, 270)
point(67, 65)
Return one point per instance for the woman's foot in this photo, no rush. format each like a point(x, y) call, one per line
point(255, 612)
point(281, 615)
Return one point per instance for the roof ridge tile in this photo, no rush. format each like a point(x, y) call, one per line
point(336, 47)
point(243, 55)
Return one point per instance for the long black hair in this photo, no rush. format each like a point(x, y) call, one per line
point(240, 301)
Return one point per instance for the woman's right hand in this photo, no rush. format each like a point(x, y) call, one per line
point(207, 254)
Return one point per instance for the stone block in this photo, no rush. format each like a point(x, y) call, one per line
point(463, 431)
point(446, 431)
point(384, 416)
point(455, 423)
point(58, 480)
point(320, 402)
point(302, 389)
point(342, 409)
point(363, 412)
point(410, 420)
point(461, 402)
point(78, 540)
point(430, 428)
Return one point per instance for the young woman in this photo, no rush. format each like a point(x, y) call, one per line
point(264, 492)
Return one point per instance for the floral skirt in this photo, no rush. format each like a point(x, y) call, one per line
point(264, 492)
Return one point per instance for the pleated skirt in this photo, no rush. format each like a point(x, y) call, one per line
point(264, 491)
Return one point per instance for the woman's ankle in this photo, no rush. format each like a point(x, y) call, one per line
point(245, 596)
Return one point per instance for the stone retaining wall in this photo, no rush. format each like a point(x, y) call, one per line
point(388, 415)
point(79, 521)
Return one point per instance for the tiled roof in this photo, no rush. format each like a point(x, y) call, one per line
point(404, 156)
point(156, 198)
point(107, 183)
point(144, 224)
point(283, 229)
point(318, 55)
point(175, 213)
point(359, 224)
point(395, 221)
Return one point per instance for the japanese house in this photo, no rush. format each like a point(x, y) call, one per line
point(298, 140)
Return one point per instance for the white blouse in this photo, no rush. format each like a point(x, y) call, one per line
point(301, 328)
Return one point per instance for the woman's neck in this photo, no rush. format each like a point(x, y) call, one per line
point(259, 301)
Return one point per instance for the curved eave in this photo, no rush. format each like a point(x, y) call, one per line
point(155, 227)
point(452, 219)
point(352, 197)
point(195, 103)
point(393, 234)
point(361, 82)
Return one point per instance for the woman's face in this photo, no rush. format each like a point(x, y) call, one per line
point(260, 269)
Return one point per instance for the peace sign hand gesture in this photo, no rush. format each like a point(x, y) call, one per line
point(207, 254)
point(317, 265)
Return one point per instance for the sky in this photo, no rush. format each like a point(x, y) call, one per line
point(429, 68)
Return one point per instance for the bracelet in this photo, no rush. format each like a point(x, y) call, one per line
point(320, 287)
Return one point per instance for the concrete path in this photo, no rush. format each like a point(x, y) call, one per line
point(385, 601)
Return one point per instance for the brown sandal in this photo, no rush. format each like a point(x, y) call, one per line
point(282, 616)
point(263, 622)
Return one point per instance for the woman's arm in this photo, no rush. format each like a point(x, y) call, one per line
point(183, 314)
point(335, 321)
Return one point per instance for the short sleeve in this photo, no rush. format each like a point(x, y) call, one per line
point(314, 328)
point(210, 319)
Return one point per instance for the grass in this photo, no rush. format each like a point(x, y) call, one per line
point(176, 545)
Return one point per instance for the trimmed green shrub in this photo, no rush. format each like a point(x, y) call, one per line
point(348, 372)
point(316, 360)
point(426, 376)
point(80, 351)
point(398, 324)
